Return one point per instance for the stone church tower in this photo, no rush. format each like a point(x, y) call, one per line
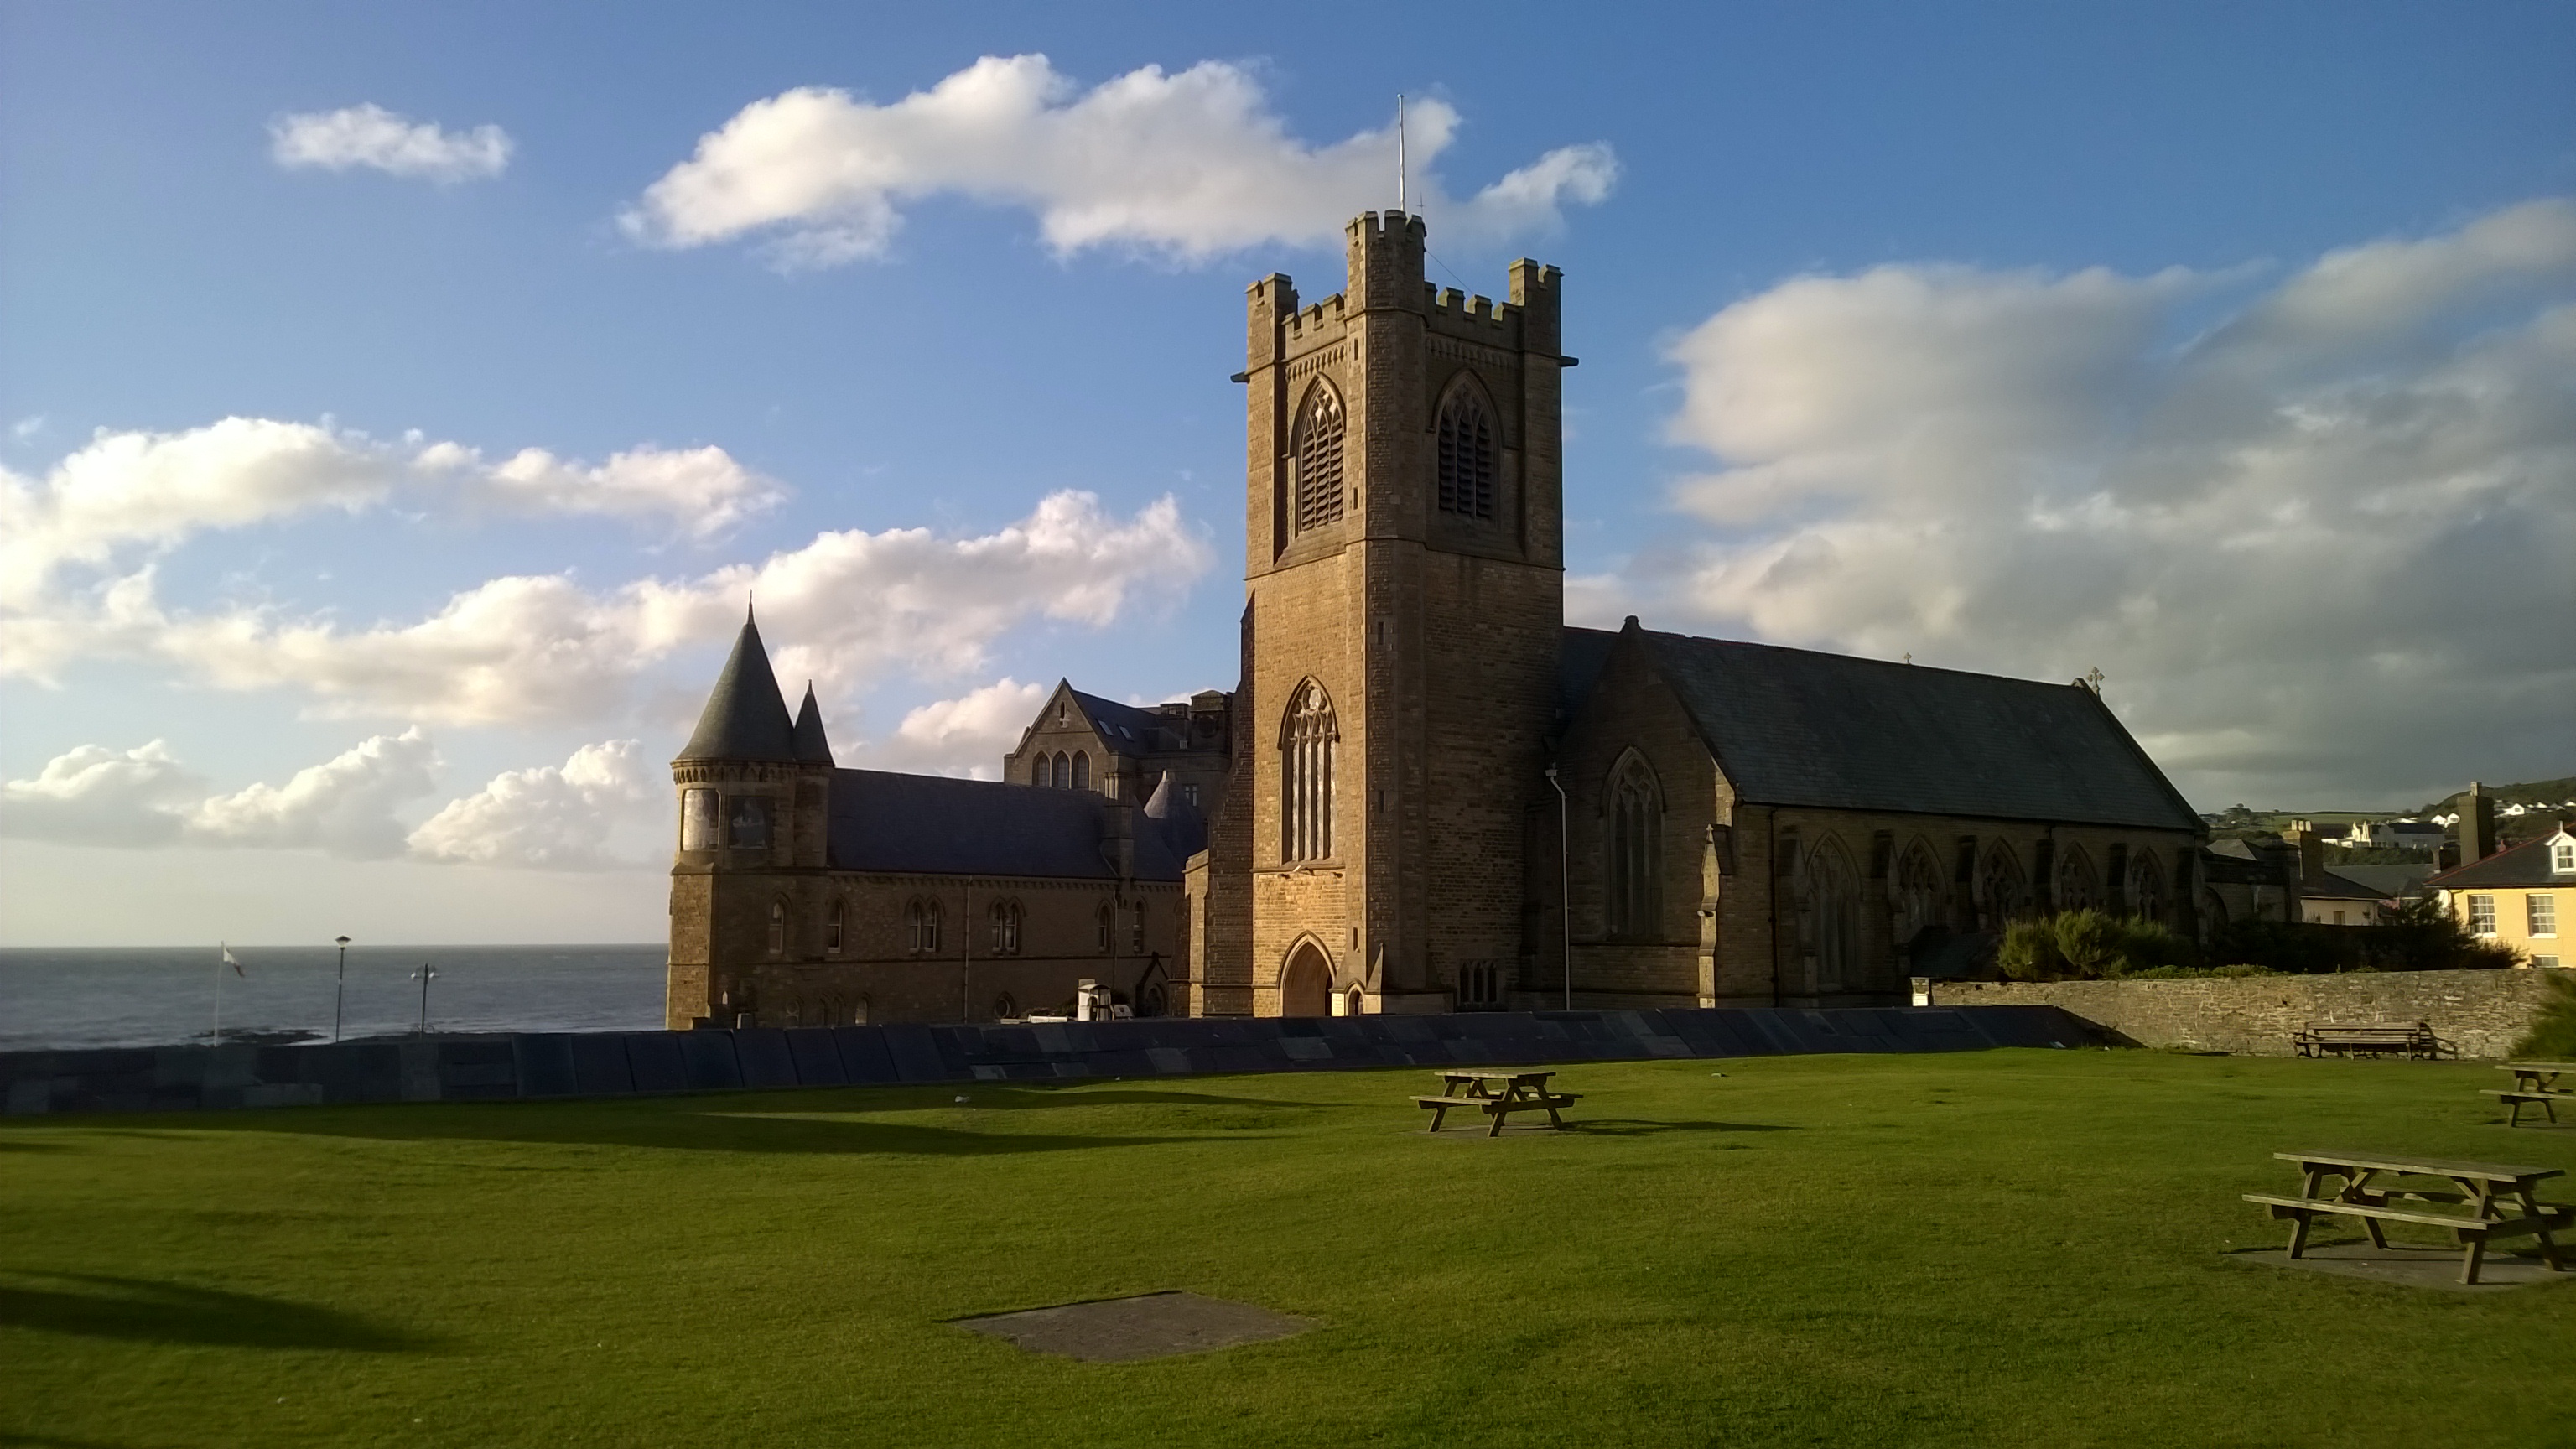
point(1405, 602)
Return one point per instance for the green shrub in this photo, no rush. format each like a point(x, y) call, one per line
point(2091, 944)
point(2147, 945)
point(2552, 1037)
point(2029, 952)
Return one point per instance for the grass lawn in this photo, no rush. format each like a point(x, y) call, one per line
point(1992, 1248)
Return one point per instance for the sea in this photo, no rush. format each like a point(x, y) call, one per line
point(130, 997)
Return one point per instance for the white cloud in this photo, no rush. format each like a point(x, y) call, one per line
point(845, 607)
point(1193, 163)
point(153, 490)
point(553, 817)
point(27, 427)
point(345, 806)
point(370, 135)
point(967, 735)
point(2319, 548)
point(146, 797)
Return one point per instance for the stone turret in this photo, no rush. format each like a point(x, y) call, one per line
point(754, 788)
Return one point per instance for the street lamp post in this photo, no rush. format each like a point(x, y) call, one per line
point(426, 974)
point(340, 995)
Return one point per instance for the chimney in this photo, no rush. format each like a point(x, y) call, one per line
point(2477, 825)
point(1118, 837)
point(2312, 850)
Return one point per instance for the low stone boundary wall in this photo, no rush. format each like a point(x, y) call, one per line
point(2475, 1013)
point(616, 1064)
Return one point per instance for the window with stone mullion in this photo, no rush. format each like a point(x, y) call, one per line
point(1306, 783)
point(1467, 457)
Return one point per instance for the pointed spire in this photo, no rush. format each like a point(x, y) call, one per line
point(1159, 805)
point(745, 719)
point(811, 746)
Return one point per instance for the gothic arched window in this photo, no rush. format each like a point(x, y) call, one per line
point(1063, 770)
point(1470, 457)
point(1306, 739)
point(1006, 928)
point(1918, 893)
point(2078, 889)
point(1833, 895)
point(1318, 446)
point(1082, 769)
point(1107, 921)
point(921, 919)
point(832, 928)
point(1042, 770)
point(2146, 886)
point(2004, 895)
point(1635, 851)
point(778, 927)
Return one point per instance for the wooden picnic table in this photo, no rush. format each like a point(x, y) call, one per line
point(2488, 1189)
point(1497, 1095)
point(2533, 1082)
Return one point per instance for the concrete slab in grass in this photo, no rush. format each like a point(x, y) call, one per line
point(2413, 1267)
point(1130, 1330)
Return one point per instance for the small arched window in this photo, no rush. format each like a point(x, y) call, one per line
point(921, 921)
point(778, 927)
point(1063, 770)
point(1136, 938)
point(859, 1012)
point(1107, 923)
point(1318, 446)
point(1006, 928)
point(832, 928)
point(1042, 771)
point(1082, 769)
point(1005, 1008)
point(1470, 458)
point(1635, 849)
point(1306, 739)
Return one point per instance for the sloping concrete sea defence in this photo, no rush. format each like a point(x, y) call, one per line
point(535, 1066)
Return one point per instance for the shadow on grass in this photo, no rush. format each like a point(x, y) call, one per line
point(12, 1145)
point(1634, 1127)
point(9, 1440)
point(95, 1305)
point(1022, 1098)
point(699, 1126)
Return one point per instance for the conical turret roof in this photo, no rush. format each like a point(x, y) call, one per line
point(745, 718)
point(811, 746)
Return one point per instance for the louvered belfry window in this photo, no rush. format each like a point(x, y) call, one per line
point(1319, 458)
point(1469, 457)
point(1306, 783)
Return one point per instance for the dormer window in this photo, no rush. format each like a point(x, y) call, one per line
point(2562, 855)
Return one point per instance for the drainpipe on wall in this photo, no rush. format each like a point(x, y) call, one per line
point(1564, 888)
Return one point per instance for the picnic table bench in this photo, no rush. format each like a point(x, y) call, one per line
point(2533, 1082)
point(2488, 1189)
point(1497, 1095)
point(2414, 1038)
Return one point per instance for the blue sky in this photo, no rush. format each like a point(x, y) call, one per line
point(2217, 347)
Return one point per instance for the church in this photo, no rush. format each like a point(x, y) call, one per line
point(1426, 792)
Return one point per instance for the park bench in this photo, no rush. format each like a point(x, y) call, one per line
point(2414, 1038)
point(1497, 1095)
point(2533, 1082)
point(2488, 1189)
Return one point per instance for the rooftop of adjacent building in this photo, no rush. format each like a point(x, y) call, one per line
point(2547, 861)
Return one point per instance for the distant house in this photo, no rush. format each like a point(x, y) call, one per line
point(2516, 895)
point(2423, 835)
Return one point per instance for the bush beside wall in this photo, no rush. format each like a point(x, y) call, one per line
point(2475, 1013)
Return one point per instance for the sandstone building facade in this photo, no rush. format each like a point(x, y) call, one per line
point(1426, 793)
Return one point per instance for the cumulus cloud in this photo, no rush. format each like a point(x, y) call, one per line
point(846, 607)
point(966, 736)
point(2320, 547)
point(553, 817)
point(147, 490)
point(1192, 163)
point(369, 135)
point(146, 797)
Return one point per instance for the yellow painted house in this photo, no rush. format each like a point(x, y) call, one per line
point(2517, 896)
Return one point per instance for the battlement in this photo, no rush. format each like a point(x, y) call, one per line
point(1452, 305)
point(1328, 312)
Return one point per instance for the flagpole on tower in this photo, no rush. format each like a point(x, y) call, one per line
point(1401, 201)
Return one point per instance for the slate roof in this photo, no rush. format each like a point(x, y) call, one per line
point(745, 719)
point(2526, 864)
point(935, 825)
point(1801, 727)
point(2332, 886)
point(2390, 881)
point(811, 744)
point(1127, 730)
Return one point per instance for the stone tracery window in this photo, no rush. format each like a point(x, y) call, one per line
point(2077, 887)
point(1918, 893)
point(1318, 446)
point(1833, 895)
point(1635, 851)
point(2146, 887)
point(1470, 457)
point(1306, 740)
point(2002, 894)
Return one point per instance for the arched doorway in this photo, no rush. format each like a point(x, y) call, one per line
point(1306, 983)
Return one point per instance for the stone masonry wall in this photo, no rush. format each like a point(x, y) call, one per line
point(2476, 1013)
